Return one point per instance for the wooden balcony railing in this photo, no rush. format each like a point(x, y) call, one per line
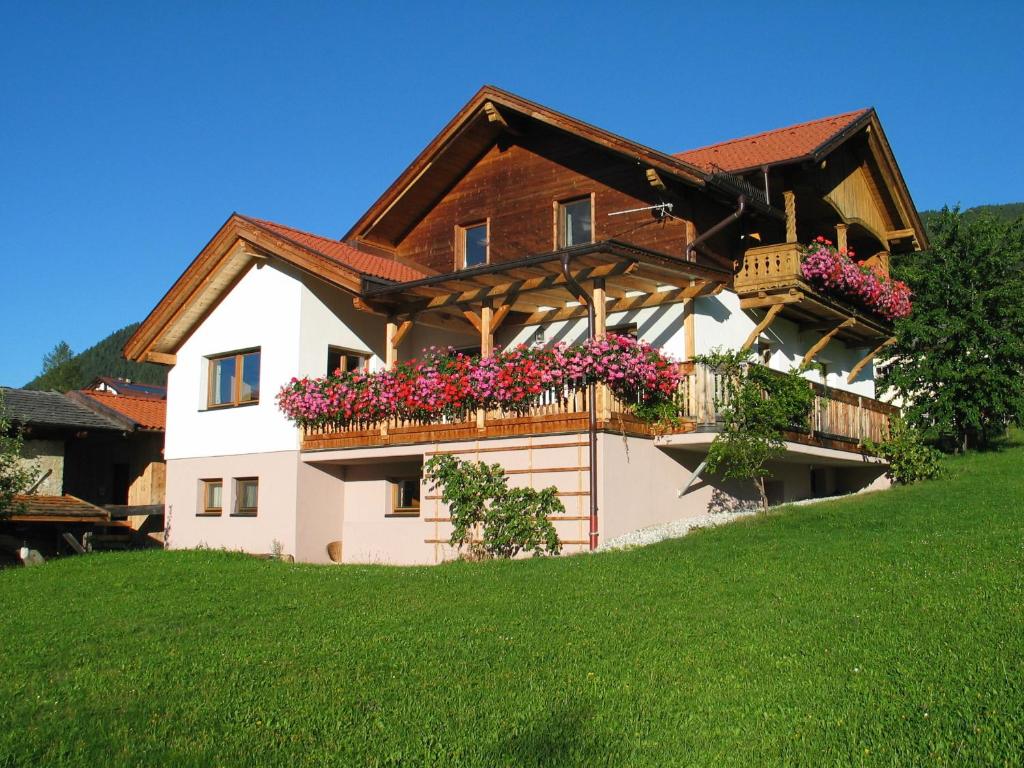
point(770, 268)
point(837, 416)
point(770, 275)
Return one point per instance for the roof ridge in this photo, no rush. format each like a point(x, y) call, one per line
point(752, 136)
point(265, 222)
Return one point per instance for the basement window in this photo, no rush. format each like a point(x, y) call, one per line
point(247, 491)
point(472, 245)
point(405, 496)
point(234, 379)
point(576, 222)
point(213, 497)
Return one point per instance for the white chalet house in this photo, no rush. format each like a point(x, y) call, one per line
point(496, 235)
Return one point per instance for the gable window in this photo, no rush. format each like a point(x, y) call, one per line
point(247, 491)
point(405, 496)
point(575, 222)
point(472, 245)
point(213, 497)
point(234, 379)
point(345, 361)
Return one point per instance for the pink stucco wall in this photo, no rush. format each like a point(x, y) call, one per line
point(309, 500)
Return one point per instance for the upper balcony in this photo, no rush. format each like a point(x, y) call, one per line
point(770, 278)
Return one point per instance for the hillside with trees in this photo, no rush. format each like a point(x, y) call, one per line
point(1003, 212)
point(63, 370)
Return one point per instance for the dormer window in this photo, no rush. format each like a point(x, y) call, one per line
point(472, 245)
point(576, 222)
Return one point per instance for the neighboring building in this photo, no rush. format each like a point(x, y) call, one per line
point(466, 249)
point(100, 457)
point(127, 387)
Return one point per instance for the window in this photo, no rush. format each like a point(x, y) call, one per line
point(623, 329)
point(344, 360)
point(247, 491)
point(576, 222)
point(405, 496)
point(234, 379)
point(213, 497)
point(764, 352)
point(472, 245)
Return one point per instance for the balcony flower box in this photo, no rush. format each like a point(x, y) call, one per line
point(834, 272)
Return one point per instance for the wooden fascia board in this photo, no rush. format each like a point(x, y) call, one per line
point(213, 256)
point(887, 160)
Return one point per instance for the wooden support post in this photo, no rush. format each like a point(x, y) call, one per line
point(391, 351)
point(689, 330)
point(790, 202)
point(600, 299)
point(867, 359)
point(486, 330)
point(841, 237)
point(762, 326)
point(395, 333)
point(824, 340)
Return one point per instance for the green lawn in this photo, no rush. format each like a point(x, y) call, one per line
point(881, 630)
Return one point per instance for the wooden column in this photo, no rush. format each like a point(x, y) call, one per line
point(600, 299)
point(391, 349)
point(790, 200)
point(841, 237)
point(395, 332)
point(689, 331)
point(487, 329)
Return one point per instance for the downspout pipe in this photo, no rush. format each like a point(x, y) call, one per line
point(739, 213)
point(587, 299)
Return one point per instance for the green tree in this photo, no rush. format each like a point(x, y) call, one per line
point(958, 363)
point(757, 406)
point(15, 474)
point(61, 371)
point(507, 520)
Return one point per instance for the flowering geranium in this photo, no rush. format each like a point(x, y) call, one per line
point(444, 384)
point(835, 272)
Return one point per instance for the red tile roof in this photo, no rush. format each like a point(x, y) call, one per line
point(360, 261)
point(771, 147)
point(146, 412)
point(57, 507)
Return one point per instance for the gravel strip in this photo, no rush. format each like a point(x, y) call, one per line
point(678, 528)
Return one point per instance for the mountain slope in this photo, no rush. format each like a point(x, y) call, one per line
point(105, 359)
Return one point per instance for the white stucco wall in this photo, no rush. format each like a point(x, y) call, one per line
point(661, 326)
point(262, 310)
point(719, 322)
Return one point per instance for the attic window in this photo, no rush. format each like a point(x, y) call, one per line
point(576, 222)
point(472, 245)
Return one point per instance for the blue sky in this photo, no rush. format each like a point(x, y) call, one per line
point(129, 131)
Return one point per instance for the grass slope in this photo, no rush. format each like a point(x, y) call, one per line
point(878, 630)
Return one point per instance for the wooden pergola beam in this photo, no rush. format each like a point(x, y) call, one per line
point(484, 292)
point(825, 339)
point(761, 327)
point(868, 358)
point(627, 304)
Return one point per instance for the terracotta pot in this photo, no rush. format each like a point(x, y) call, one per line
point(334, 551)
